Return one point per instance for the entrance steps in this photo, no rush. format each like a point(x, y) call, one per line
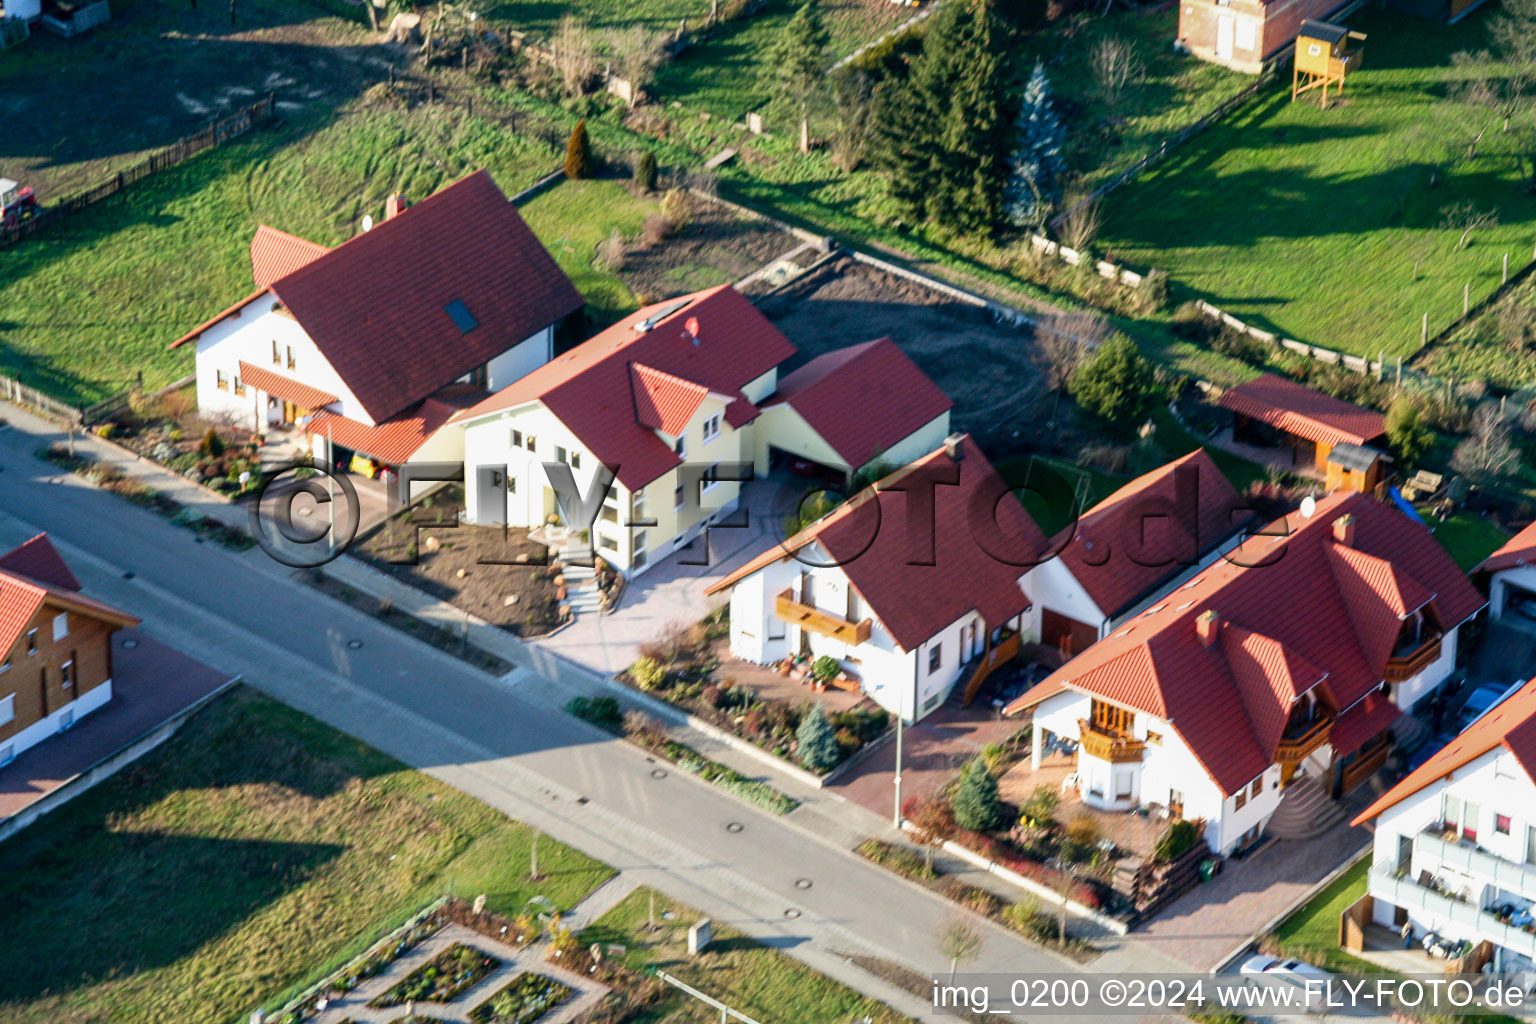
point(1304, 812)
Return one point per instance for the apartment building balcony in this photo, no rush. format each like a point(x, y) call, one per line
point(1408, 894)
point(1116, 748)
point(819, 621)
point(1409, 663)
point(1431, 847)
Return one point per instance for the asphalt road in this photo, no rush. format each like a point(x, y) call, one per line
point(503, 741)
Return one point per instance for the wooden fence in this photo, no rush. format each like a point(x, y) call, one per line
point(13, 390)
point(214, 134)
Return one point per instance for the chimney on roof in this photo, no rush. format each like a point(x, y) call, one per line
point(1208, 627)
point(395, 205)
point(952, 445)
point(1344, 530)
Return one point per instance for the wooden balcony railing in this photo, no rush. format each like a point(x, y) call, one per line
point(820, 622)
point(1108, 746)
point(1408, 665)
point(1294, 749)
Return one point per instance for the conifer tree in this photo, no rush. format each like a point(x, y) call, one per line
point(816, 742)
point(1034, 178)
point(578, 153)
point(796, 65)
point(977, 806)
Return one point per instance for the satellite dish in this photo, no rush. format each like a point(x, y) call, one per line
point(367, 222)
point(1308, 506)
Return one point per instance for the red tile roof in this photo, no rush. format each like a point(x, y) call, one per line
point(590, 388)
point(1300, 410)
point(22, 593)
point(1510, 724)
point(1155, 527)
point(1517, 551)
point(1282, 585)
point(398, 438)
point(375, 306)
point(276, 254)
point(916, 601)
point(284, 387)
point(39, 559)
point(664, 401)
point(1361, 722)
point(864, 399)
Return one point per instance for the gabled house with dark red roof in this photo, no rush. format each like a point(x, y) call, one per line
point(1122, 553)
point(1510, 575)
point(1288, 657)
point(374, 345)
point(681, 401)
point(1454, 849)
point(914, 586)
point(55, 647)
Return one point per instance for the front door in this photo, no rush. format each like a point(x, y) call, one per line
point(1226, 32)
point(1176, 804)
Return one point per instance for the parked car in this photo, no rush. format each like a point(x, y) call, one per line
point(1313, 981)
point(1478, 701)
point(1523, 606)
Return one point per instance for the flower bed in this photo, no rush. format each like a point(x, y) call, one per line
point(642, 729)
point(442, 979)
point(527, 998)
point(168, 430)
point(682, 668)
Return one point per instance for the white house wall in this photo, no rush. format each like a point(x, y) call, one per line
point(521, 359)
point(1052, 585)
point(43, 728)
point(1404, 694)
point(248, 335)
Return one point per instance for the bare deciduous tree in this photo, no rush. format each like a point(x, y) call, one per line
point(1079, 226)
point(1064, 341)
point(1467, 218)
point(1489, 450)
point(574, 56)
point(1116, 67)
point(637, 53)
point(932, 822)
point(959, 940)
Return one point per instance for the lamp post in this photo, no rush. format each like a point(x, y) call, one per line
point(896, 813)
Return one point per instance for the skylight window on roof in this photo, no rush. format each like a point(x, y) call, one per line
point(462, 318)
point(660, 315)
point(1155, 609)
point(1194, 582)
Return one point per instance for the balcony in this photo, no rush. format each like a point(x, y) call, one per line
point(820, 622)
point(1430, 847)
point(1411, 896)
point(1294, 747)
point(1411, 663)
point(1113, 747)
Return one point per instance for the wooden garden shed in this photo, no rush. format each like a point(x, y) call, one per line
point(1323, 58)
point(1354, 467)
point(1271, 411)
point(1245, 34)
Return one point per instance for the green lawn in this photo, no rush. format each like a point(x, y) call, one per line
point(1312, 932)
point(755, 979)
point(571, 219)
point(1309, 221)
point(245, 857)
point(1469, 538)
point(98, 298)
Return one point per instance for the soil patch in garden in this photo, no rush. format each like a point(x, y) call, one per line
point(716, 246)
point(442, 639)
point(497, 575)
point(992, 371)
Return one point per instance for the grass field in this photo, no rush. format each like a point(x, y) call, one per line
point(252, 852)
point(1312, 933)
point(759, 981)
point(1309, 222)
point(98, 298)
point(571, 219)
point(1469, 538)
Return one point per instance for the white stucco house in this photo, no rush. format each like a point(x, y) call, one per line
point(1283, 662)
point(1455, 842)
point(374, 345)
point(1510, 574)
point(900, 584)
point(681, 403)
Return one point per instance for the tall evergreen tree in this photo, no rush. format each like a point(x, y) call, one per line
point(942, 135)
point(816, 742)
point(1034, 169)
point(796, 65)
point(976, 802)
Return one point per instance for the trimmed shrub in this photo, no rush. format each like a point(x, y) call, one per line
point(648, 673)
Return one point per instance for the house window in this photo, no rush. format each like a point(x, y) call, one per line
point(221, 380)
point(561, 455)
point(277, 359)
point(639, 558)
point(68, 672)
point(1501, 824)
point(677, 497)
point(637, 506)
point(1154, 739)
point(1530, 844)
point(610, 509)
point(711, 479)
point(239, 385)
point(1469, 815)
point(935, 657)
point(31, 642)
point(292, 363)
point(511, 484)
point(517, 439)
point(60, 626)
point(1242, 799)
point(711, 428)
point(7, 708)
point(1257, 787)
point(607, 543)
point(533, 443)
point(575, 460)
point(681, 447)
